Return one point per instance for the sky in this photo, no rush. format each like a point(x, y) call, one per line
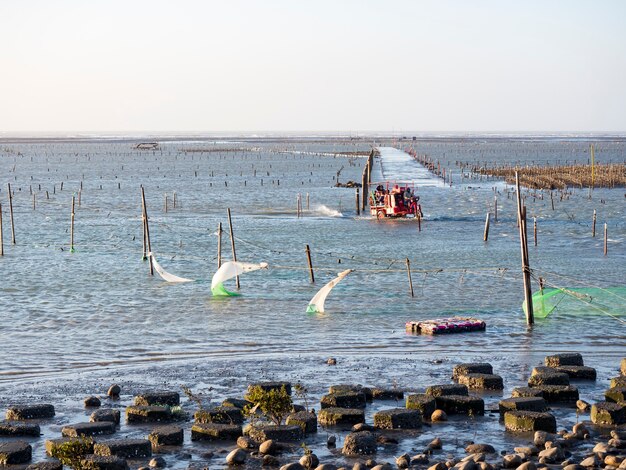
point(318, 65)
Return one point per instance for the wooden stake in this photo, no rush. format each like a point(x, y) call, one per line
point(606, 238)
point(486, 233)
point(358, 205)
point(165, 202)
point(219, 245)
point(148, 246)
point(11, 214)
point(552, 200)
point(1, 234)
point(495, 209)
point(535, 230)
point(530, 317)
point(307, 202)
point(408, 271)
point(34, 205)
point(232, 244)
point(593, 224)
point(72, 226)
point(308, 260)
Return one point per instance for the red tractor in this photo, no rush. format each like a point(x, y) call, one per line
point(394, 200)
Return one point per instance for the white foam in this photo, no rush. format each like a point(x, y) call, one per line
point(400, 166)
point(326, 211)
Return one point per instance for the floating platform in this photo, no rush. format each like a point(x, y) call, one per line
point(441, 326)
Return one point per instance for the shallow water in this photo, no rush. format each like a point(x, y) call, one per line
point(98, 311)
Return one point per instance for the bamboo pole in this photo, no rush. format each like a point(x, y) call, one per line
point(408, 271)
point(606, 239)
point(72, 225)
point(486, 232)
point(11, 214)
point(364, 186)
point(219, 245)
point(146, 224)
point(593, 224)
point(1, 234)
point(232, 244)
point(530, 318)
point(144, 253)
point(309, 262)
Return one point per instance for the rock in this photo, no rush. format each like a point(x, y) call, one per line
point(292, 466)
point(54, 445)
point(528, 451)
point(341, 388)
point(306, 420)
point(157, 399)
point(526, 392)
point(583, 406)
point(125, 448)
point(331, 361)
point(282, 433)
point(613, 460)
point(270, 461)
point(447, 389)
point(236, 457)
point(476, 381)
point(592, 461)
point(359, 466)
point(551, 455)
point(362, 427)
point(511, 461)
point(600, 447)
point(438, 466)
point(387, 394)
point(220, 415)
point(541, 437)
point(359, 443)
point(267, 386)
point(403, 461)
point(485, 466)
point(618, 381)
point(88, 429)
point(45, 466)
point(461, 404)
point(326, 466)
point(335, 416)
point(559, 393)
point(435, 444)
point(567, 359)
point(398, 418)
point(383, 466)
point(347, 399)
point(236, 403)
point(522, 404)
point(480, 448)
point(617, 443)
point(424, 403)
point(527, 466)
point(548, 378)
point(580, 430)
point(616, 394)
point(246, 443)
point(574, 467)
point(148, 414)
point(103, 462)
point(439, 416)
point(524, 421)
point(471, 368)
point(106, 414)
point(166, 436)
point(331, 441)
point(215, 432)
point(578, 372)
point(114, 391)
point(19, 429)
point(15, 452)
point(157, 462)
point(92, 402)
point(386, 440)
point(467, 465)
point(309, 461)
point(20, 412)
point(606, 413)
point(269, 447)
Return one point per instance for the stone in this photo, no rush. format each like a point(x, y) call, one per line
point(477, 381)
point(15, 452)
point(439, 416)
point(591, 461)
point(522, 404)
point(92, 402)
point(348, 399)
point(267, 386)
point(403, 461)
point(331, 441)
point(578, 372)
point(524, 421)
point(559, 393)
point(467, 465)
point(419, 459)
point(114, 391)
point(528, 451)
point(19, 429)
point(622, 367)
point(280, 433)
point(306, 420)
point(613, 460)
point(220, 415)
point(566, 359)
point(607, 413)
point(548, 378)
point(447, 389)
point(362, 427)
point(148, 414)
point(583, 406)
point(574, 467)
point(215, 432)
point(435, 444)
point(270, 461)
point(424, 403)
point(511, 461)
point(20, 412)
point(616, 394)
point(236, 457)
point(331, 361)
point(527, 466)
point(157, 399)
point(460, 404)
point(157, 462)
point(45, 466)
point(618, 381)
point(541, 437)
point(166, 436)
point(551, 455)
point(236, 403)
point(480, 448)
point(104, 462)
point(339, 416)
point(105, 414)
point(438, 466)
point(617, 443)
point(359, 443)
point(292, 466)
point(399, 418)
point(471, 368)
point(526, 392)
point(125, 448)
point(269, 447)
point(327, 466)
point(387, 394)
point(246, 443)
point(88, 429)
point(309, 461)
point(53, 445)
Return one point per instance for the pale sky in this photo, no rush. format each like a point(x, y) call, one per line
point(318, 65)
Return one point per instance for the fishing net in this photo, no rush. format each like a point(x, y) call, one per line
point(609, 301)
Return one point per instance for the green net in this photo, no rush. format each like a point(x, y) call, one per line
point(609, 301)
